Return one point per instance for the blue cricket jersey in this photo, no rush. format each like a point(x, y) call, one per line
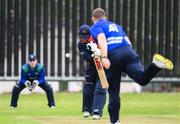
point(36, 74)
point(114, 33)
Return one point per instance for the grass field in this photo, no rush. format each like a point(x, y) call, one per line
point(143, 108)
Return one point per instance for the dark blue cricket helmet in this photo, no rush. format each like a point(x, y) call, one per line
point(84, 31)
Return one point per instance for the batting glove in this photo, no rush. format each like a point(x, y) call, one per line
point(97, 52)
point(92, 47)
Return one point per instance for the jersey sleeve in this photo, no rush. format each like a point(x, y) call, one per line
point(23, 74)
point(95, 31)
point(124, 34)
point(41, 75)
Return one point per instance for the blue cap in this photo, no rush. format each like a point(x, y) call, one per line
point(32, 57)
point(84, 31)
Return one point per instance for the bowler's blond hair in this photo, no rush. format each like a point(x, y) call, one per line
point(98, 13)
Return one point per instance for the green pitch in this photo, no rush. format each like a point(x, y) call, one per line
point(143, 108)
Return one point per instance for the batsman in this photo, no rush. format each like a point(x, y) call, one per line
point(32, 75)
point(93, 93)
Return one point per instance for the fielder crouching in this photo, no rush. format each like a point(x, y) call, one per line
point(32, 75)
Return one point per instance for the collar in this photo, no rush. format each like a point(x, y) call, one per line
point(32, 69)
point(101, 19)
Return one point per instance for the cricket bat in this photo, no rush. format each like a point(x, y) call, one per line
point(101, 73)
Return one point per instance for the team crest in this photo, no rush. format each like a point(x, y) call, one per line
point(84, 32)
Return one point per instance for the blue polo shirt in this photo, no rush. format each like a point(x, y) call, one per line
point(115, 35)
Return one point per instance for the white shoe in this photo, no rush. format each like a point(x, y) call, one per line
point(52, 107)
point(96, 117)
point(86, 114)
point(12, 107)
point(117, 122)
point(162, 62)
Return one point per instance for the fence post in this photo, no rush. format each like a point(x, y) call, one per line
point(2, 36)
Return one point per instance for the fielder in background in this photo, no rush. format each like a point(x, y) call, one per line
point(118, 56)
point(90, 104)
point(32, 75)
